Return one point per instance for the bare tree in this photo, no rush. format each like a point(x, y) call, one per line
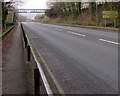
point(6, 6)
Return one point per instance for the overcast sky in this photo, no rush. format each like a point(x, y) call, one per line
point(32, 4)
point(35, 4)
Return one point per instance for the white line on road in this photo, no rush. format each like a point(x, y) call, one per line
point(58, 29)
point(45, 81)
point(76, 33)
point(109, 41)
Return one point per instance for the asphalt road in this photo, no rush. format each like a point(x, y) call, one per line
point(83, 61)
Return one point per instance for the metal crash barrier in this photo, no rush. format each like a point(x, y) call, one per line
point(39, 76)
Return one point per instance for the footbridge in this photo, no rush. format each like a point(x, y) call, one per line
point(30, 10)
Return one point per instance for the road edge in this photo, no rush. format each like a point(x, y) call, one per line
point(54, 85)
point(82, 26)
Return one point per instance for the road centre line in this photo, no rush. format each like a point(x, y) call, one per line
point(58, 29)
point(109, 41)
point(104, 40)
point(76, 33)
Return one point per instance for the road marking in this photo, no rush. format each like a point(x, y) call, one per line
point(76, 33)
point(55, 28)
point(58, 29)
point(52, 76)
point(45, 81)
point(109, 41)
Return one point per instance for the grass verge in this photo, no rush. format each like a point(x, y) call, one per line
point(82, 26)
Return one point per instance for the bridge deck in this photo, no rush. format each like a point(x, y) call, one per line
point(30, 10)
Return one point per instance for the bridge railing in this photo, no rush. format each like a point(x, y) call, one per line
point(30, 10)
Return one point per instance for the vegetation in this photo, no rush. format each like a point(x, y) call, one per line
point(0, 16)
point(6, 6)
point(82, 13)
point(42, 18)
point(22, 18)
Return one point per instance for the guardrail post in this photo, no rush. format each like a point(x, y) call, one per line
point(28, 53)
point(36, 82)
point(25, 39)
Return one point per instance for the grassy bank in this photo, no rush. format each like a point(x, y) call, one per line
point(83, 26)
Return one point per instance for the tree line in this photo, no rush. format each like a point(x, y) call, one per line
point(65, 9)
point(5, 7)
point(75, 8)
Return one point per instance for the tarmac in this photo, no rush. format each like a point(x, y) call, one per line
point(16, 73)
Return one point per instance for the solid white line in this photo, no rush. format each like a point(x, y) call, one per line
point(47, 86)
point(76, 33)
point(109, 41)
point(52, 76)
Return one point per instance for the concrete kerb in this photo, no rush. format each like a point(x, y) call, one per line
point(53, 84)
point(5, 33)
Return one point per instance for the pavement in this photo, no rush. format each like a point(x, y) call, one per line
point(83, 61)
point(16, 78)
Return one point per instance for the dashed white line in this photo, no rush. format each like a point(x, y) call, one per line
point(55, 28)
point(76, 33)
point(104, 40)
point(109, 41)
point(58, 29)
